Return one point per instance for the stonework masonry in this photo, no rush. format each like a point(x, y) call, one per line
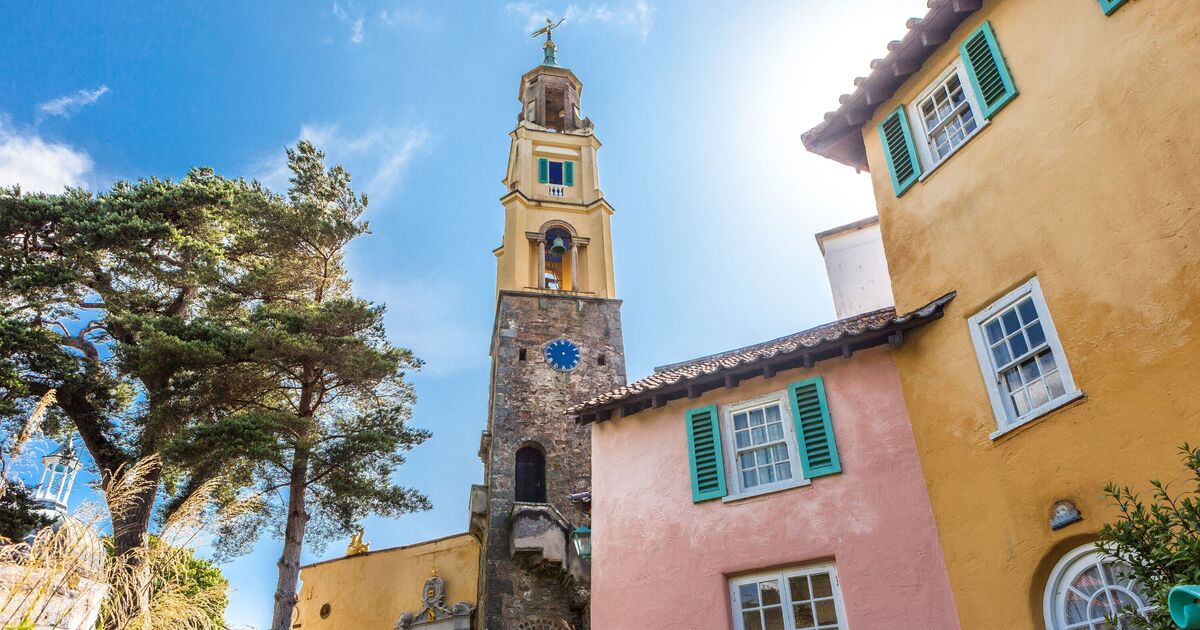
point(527, 407)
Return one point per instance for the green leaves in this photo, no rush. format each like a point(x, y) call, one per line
point(1158, 538)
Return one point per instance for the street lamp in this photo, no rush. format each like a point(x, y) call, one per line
point(582, 537)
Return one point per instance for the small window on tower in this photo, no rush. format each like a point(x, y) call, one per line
point(531, 475)
point(521, 354)
point(556, 173)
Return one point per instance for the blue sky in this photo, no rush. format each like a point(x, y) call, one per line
point(700, 108)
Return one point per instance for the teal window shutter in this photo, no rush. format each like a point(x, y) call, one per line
point(704, 451)
point(899, 150)
point(989, 74)
point(1110, 5)
point(543, 170)
point(568, 173)
point(814, 428)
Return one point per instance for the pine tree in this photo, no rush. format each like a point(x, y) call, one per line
point(332, 404)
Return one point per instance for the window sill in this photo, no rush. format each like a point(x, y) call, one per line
point(1037, 414)
point(935, 167)
point(758, 492)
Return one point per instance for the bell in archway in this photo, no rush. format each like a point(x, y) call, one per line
point(558, 247)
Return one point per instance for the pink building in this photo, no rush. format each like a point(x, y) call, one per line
point(772, 487)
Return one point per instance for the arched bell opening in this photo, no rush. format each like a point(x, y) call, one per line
point(558, 249)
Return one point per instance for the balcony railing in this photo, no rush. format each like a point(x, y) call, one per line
point(556, 190)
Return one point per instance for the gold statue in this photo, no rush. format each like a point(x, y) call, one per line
point(357, 545)
point(548, 29)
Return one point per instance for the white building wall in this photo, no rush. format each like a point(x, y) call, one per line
point(857, 268)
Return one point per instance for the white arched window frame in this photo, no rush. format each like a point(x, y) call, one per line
point(1085, 585)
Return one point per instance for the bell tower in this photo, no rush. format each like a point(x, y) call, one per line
point(556, 342)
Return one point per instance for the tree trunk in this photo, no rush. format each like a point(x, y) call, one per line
point(131, 527)
point(293, 541)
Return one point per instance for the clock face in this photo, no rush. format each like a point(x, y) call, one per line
point(562, 355)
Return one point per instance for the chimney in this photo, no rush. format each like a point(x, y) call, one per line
point(857, 268)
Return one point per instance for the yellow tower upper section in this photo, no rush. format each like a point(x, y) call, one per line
point(557, 237)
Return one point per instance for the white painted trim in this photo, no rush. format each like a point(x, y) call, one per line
point(1053, 606)
point(930, 163)
point(785, 593)
point(733, 475)
point(1002, 409)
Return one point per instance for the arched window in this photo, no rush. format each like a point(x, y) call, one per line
point(558, 263)
point(531, 475)
point(1085, 586)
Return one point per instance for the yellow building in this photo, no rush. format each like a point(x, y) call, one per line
point(431, 585)
point(1039, 158)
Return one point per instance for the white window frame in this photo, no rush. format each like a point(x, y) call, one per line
point(786, 593)
point(733, 473)
point(929, 161)
point(1074, 562)
point(1005, 413)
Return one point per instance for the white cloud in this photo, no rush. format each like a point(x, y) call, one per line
point(355, 23)
point(402, 17)
point(377, 158)
point(636, 17)
point(37, 165)
point(67, 106)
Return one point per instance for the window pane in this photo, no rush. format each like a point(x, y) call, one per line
point(751, 621)
point(1010, 321)
point(821, 585)
point(1000, 353)
point(798, 587)
point(1088, 581)
point(826, 612)
point(783, 471)
point(1030, 371)
point(739, 421)
point(774, 619)
point(1038, 394)
point(556, 173)
point(802, 614)
point(772, 413)
point(1013, 380)
point(746, 460)
point(1021, 402)
point(775, 431)
point(742, 438)
point(763, 455)
point(1036, 335)
point(1018, 345)
point(1055, 385)
point(770, 592)
point(759, 435)
point(1046, 359)
point(994, 333)
point(766, 475)
point(756, 417)
point(1027, 310)
point(750, 478)
point(748, 595)
point(1076, 607)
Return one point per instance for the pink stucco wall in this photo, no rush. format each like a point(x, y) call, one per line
point(661, 561)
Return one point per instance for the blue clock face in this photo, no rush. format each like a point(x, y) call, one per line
point(562, 355)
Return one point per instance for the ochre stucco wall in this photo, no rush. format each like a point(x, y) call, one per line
point(661, 561)
point(369, 591)
point(1089, 179)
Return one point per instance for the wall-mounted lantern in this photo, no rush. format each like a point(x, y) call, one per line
point(582, 537)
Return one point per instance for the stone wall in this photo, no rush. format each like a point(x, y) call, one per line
point(527, 404)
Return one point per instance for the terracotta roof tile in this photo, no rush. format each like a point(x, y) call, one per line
point(833, 333)
point(839, 137)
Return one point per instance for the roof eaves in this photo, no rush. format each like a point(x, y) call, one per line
point(839, 136)
point(805, 348)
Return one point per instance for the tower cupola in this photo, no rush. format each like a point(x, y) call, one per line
point(58, 476)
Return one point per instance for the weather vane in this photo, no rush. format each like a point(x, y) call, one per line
point(549, 46)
